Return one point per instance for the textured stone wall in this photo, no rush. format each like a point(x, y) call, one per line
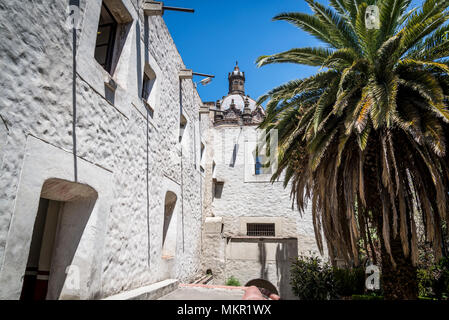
point(253, 200)
point(142, 153)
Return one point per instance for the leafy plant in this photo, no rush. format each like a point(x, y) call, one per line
point(349, 281)
point(312, 279)
point(425, 283)
point(233, 281)
point(441, 281)
point(433, 281)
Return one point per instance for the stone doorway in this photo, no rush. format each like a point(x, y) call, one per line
point(63, 212)
point(37, 272)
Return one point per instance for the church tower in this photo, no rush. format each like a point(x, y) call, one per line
point(237, 107)
point(236, 80)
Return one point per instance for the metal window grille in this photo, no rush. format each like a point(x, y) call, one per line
point(260, 229)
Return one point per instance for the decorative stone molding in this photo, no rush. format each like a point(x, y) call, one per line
point(119, 11)
point(213, 225)
point(185, 74)
point(153, 8)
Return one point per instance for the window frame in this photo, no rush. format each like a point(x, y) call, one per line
point(149, 80)
point(111, 41)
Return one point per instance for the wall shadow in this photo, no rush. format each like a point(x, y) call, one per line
point(285, 252)
point(263, 260)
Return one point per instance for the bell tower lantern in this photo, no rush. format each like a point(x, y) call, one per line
point(236, 80)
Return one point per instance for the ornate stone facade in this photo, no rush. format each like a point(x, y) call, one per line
point(237, 107)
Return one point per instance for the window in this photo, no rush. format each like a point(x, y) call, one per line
point(218, 188)
point(258, 165)
point(202, 150)
point(149, 80)
point(147, 86)
point(214, 172)
point(203, 147)
point(104, 47)
point(260, 229)
point(182, 126)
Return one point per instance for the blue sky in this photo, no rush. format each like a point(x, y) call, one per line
point(221, 32)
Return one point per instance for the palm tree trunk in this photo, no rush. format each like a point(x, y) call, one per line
point(400, 282)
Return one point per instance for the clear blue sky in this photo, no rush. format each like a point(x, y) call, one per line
point(221, 32)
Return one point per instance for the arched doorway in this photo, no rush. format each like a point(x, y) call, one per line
point(263, 284)
point(63, 212)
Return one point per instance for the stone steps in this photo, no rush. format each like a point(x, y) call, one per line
point(151, 292)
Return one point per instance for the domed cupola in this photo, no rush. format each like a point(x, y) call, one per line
point(236, 80)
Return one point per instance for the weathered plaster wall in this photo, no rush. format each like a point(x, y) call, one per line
point(252, 199)
point(268, 259)
point(249, 199)
point(141, 153)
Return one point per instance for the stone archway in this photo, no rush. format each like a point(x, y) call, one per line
point(263, 284)
point(64, 210)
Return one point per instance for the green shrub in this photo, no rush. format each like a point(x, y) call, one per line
point(311, 279)
point(441, 281)
point(433, 281)
point(349, 281)
point(232, 281)
point(425, 282)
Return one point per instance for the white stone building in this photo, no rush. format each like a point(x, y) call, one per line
point(123, 211)
point(251, 230)
point(114, 175)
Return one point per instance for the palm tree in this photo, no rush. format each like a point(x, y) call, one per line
point(364, 139)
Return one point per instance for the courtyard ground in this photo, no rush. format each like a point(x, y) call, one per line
point(205, 292)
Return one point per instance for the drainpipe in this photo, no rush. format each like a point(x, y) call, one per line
point(74, 3)
point(182, 202)
point(182, 182)
point(148, 195)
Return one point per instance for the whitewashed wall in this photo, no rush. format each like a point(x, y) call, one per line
point(251, 199)
point(246, 198)
point(36, 100)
